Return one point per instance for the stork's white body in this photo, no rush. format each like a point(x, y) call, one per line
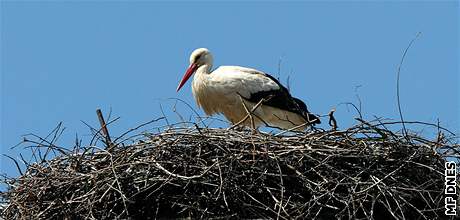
point(220, 90)
point(224, 90)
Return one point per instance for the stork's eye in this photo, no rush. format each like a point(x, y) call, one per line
point(198, 57)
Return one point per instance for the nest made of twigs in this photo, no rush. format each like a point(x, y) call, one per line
point(364, 172)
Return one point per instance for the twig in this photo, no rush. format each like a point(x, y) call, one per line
point(247, 115)
point(183, 177)
point(16, 163)
point(397, 83)
point(104, 129)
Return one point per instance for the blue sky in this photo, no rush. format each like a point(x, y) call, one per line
point(62, 60)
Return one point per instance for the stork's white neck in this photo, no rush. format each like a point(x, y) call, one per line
point(201, 78)
point(204, 69)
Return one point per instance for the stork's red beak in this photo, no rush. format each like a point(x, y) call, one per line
point(191, 69)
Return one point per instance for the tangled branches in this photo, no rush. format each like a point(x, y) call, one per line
point(364, 172)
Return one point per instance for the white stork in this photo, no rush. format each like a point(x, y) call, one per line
point(225, 89)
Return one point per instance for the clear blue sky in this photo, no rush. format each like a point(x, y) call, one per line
point(61, 61)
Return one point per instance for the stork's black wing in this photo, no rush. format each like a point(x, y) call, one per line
point(282, 99)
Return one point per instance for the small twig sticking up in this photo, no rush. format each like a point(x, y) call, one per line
point(104, 129)
point(359, 98)
point(332, 121)
point(16, 163)
point(397, 83)
point(279, 67)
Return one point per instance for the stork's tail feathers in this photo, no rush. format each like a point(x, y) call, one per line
point(311, 118)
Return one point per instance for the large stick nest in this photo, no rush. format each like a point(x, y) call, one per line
point(365, 172)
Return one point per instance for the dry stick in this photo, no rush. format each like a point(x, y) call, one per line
point(94, 131)
point(419, 122)
point(104, 128)
point(260, 203)
point(287, 119)
point(375, 128)
point(389, 174)
point(137, 127)
point(393, 197)
point(282, 191)
point(16, 163)
point(37, 150)
point(57, 133)
point(354, 106)
point(397, 84)
point(183, 177)
point(295, 127)
point(254, 130)
point(248, 115)
point(190, 107)
point(221, 181)
point(292, 129)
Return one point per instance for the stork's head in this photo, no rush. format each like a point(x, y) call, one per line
point(200, 57)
